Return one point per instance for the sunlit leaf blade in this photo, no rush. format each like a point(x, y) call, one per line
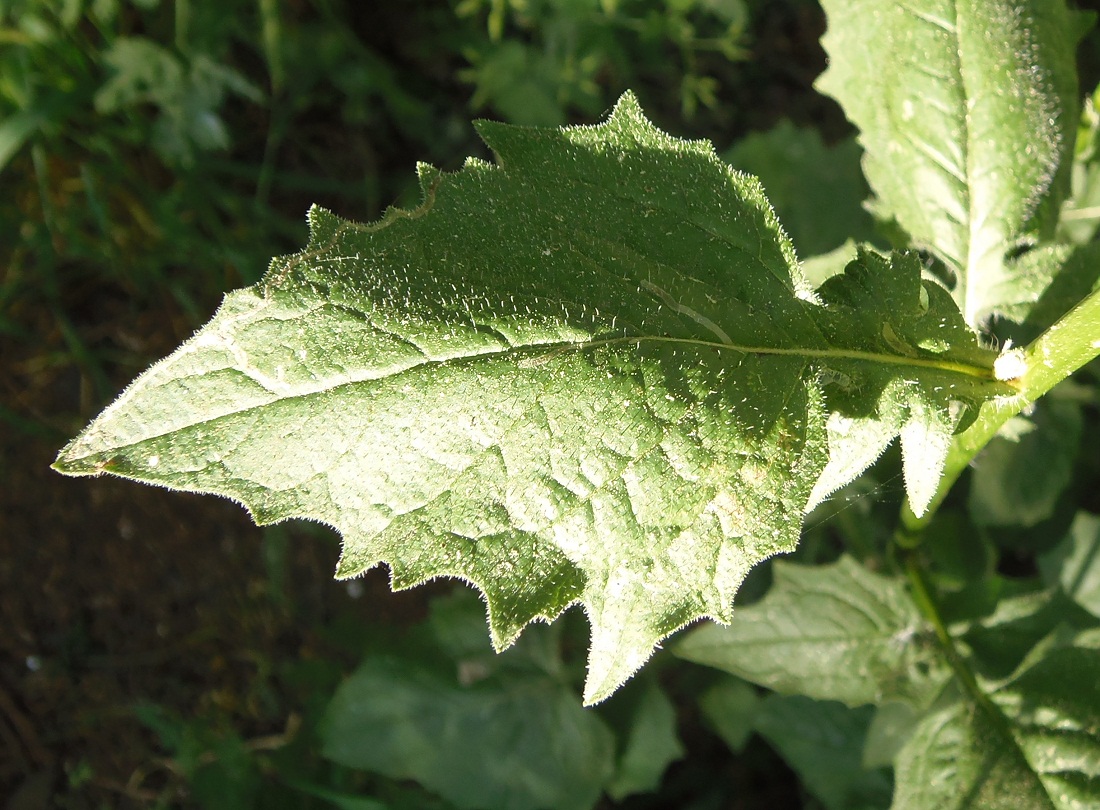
point(967, 112)
point(590, 373)
point(834, 632)
point(1040, 748)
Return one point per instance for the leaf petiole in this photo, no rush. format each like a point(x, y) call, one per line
point(1053, 356)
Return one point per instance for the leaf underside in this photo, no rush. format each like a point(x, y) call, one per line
point(591, 374)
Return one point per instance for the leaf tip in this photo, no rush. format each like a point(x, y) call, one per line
point(627, 104)
point(68, 462)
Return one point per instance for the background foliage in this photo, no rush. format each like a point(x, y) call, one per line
point(154, 154)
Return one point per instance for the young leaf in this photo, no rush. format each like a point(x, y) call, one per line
point(833, 632)
point(882, 303)
point(588, 374)
point(967, 112)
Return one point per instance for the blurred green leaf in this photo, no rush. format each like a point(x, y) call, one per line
point(651, 745)
point(823, 742)
point(730, 708)
point(890, 729)
point(521, 744)
point(835, 632)
point(817, 191)
point(1075, 563)
point(1005, 489)
point(187, 95)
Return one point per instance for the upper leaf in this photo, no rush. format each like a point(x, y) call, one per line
point(588, 374)
point(967, 111)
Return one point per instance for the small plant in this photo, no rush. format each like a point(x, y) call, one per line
point(596, 373)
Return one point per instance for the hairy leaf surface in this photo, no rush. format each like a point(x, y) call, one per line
point(967, 111)
point(590, 373)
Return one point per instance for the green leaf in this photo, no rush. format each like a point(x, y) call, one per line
point(967, 112)
point(651, 746)
point(730, 707)
point(835, 632)
point(591, 373)
point(1005, 489)
point(817, 191)
point(918, 320)
point(524, 744)
point(1040, 747)
point(1075, 563)
point(1018, 626)
point(823, 742)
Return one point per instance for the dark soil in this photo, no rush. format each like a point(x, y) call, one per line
point(114, 594)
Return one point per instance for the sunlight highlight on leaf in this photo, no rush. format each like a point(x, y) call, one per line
point(590, 373)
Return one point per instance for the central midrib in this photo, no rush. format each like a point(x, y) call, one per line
point(817, 354)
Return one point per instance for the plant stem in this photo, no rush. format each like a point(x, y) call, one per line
point(1062, 349)
point(922, 596)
